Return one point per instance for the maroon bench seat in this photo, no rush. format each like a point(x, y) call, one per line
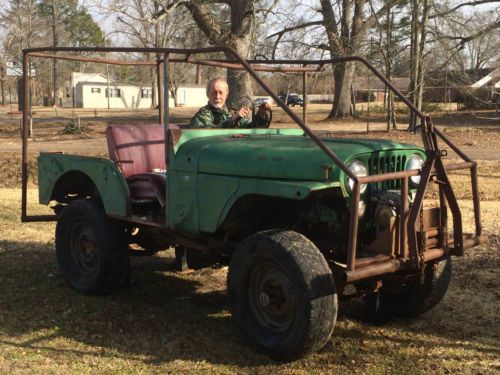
point(139, 151)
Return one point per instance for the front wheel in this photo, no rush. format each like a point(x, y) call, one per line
point(411, 299)
point(282, 294)
point(90, 248)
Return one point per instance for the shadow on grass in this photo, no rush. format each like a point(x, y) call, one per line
point(161, 317)
point(165, 316)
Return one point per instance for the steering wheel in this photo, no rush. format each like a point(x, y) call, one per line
point(246, 101)
point(269, 114)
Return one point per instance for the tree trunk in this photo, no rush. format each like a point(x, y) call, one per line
point(54, 44)
point(343, 75)
point(198, 74)
point(156, 86)
point(240, 87)
point(236, 36)
point(173, 91)
point(414, 60)
point(388, 59)
point(2, 80)
point(154, 95)
point(240, 84)
point(421, 66)
point(418, 38)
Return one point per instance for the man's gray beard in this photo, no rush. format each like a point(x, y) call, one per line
point(218, 106)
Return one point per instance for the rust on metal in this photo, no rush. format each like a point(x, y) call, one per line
point(386, 241)
point(94, 60)
point(304, 97)
point(475, 195)
point(160, 91)
point(416, 208)
point(403, 219)
point(25, 129)
point(255, 67)
point(353, 226)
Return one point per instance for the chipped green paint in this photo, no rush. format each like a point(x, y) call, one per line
point(112, 188)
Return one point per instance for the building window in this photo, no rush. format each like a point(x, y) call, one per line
point(146, 93)
point(95, 90)
point(113, 93)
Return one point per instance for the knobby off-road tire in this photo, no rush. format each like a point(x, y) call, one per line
point(282, 294)
point(414, 298)
point(90, 248)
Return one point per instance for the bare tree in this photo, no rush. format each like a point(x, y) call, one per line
point(421, 13)
point(389, 47)
point(419, 20)
point(477, 36)
point(148, 23)
point(18, 19)
point(346, 24)
point(228, 23)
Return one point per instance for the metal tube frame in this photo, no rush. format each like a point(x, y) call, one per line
point(433, 166)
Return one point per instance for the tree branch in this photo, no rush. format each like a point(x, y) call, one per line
point(467, 39)
point(370, 21)
point(293, 28)
point(206, 22)
point(470, 3)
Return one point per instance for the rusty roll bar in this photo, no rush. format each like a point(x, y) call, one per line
point(93, 59)
point(432, 167)
point(245, 65)
point(278, 69)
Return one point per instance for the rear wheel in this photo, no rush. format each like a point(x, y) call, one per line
point(90, 248)
point(282, 294)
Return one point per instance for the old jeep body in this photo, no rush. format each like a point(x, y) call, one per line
point(209, 174)
point(297, 215)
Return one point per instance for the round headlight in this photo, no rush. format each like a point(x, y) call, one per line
point(414, 162)
point(359, 170)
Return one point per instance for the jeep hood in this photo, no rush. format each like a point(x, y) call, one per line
point(273, 156)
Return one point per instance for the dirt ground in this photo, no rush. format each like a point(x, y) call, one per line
point(169, 322)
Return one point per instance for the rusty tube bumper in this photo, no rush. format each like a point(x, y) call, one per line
point(380, 266)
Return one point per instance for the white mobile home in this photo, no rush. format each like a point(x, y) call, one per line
point(97, 94)
point(92, 90)
point(102, 95)
point(190, 96)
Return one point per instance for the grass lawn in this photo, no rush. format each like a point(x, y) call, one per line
point(169, 322)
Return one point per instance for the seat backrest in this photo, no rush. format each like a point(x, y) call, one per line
point(137, 148)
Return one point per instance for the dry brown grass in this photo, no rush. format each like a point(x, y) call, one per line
point(169, 322)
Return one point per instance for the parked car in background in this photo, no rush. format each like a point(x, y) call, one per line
point(258, 101)
point(292, 99)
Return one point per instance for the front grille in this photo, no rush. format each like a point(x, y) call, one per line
point(386, 164)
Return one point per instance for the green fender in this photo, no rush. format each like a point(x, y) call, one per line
point(60, 171)
point(217, 194)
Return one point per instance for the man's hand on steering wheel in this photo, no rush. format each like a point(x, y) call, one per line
point(265, 112)
point(263, 109)
point(241, 113)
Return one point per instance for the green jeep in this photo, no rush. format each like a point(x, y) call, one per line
point(298, 216)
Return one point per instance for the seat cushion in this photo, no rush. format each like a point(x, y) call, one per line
point(148, 186)
point(137, 148)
